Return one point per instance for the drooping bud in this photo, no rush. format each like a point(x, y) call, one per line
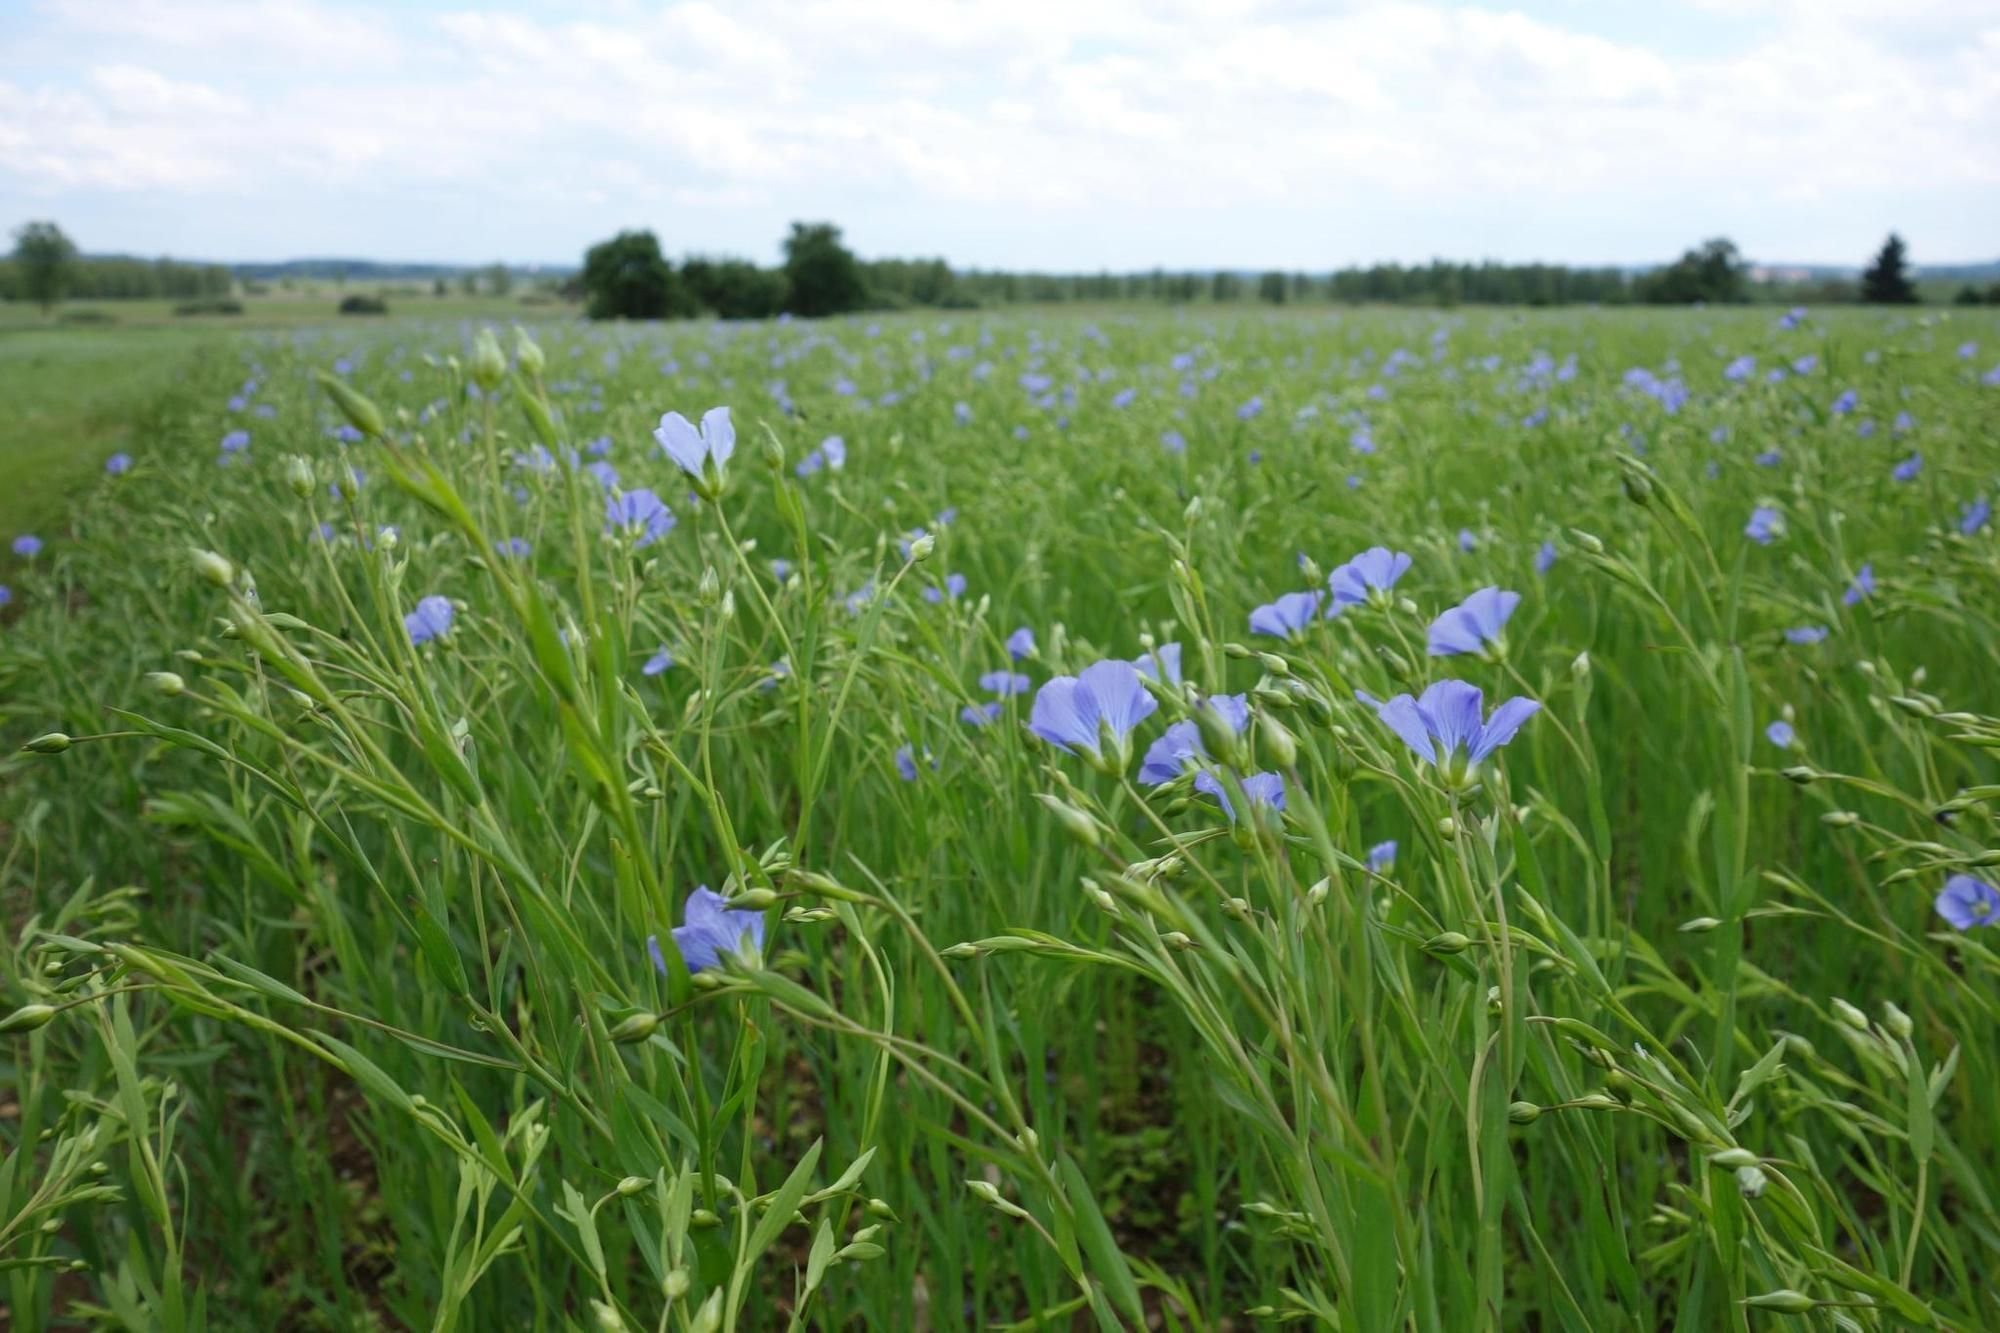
point(53, 742)
point(1075, 822)
point(1784, 1301)
point(215, 568)
point(921, 548)
point(27, 1018)
point(361, 413)
point(528, 354)
point(635, 1028)
point(489, 363)
point(299, 475)
point(1281, 748)
point(1524, 1113)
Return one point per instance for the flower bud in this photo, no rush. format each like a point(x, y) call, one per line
point(752, 900)
point(1848, 1014)
point(528, 354)
point(215, 568)
point(635, 1028)
point(1450, 942)
point(1447, 828)
point(1840, 819)
point(299, 475)
point(1075, 822)
point(921, 548)
point(709, 1317)
point(1175, 939)
point(1281, 748)
point(607, 1317)
point(965, 949)
point(27, 1018)
point(1700, 925)
point(1802, 774)
point(489, 363)
point(1750, 1181)
point(1524, 1113)
point(1730, 1159)
point(984, 1191)
point(675, 1284)
point(1274, 664)
point(709, 590)
point(168, 683)
point(1784, 1301)
point(1317, 894)
point(1898, 1022)
point(361, 414)
point(54, 742)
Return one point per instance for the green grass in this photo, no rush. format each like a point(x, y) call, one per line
point(1649, 1025)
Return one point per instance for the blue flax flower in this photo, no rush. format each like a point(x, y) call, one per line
point(1099, 705)
point(1261, 789)
point(1862, 586)
point(1974, 516)
point(1803, 634)
point(1382, 857)
point(702, 454)
point(27, 546)
point(658, 662)
point(1967, 902)
point(1908, 469)
point(1475, 624)
point(118, 464)
point(1021, 644)
point(1846, 403)
point(431, 619)
point(712, 930)
point(1448, 728)
point(1162, 664)
point(1545, 557)
point(1371, 574)
point(1781, 734)
point(979, 715)
point(638, 511)
point(1765, 524)
point(1005, 684)
point(1284, 618)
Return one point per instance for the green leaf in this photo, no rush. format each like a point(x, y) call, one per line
point(1106, 1259)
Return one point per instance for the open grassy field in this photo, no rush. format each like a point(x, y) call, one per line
point(1365, 820)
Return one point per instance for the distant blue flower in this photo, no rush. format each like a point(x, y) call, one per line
point(1792, 318)
point(946, 516)
point(512, 546)
point(1908, 469)
point(1862, 586)
point(236, 441)
point(1251, 408)
point(1373, 572)
point(1449, 718)
point(954, 588)
point(1168, 757)
point(906, 763)
point(1780, 734)
point(1742, 368)
point(1966, 902)
point(658, 663)
point(606, 475)
point(962, 413)
point(118, 464)
point(1804, 634)
point(691, 449)
point(1805, 365)
point(1260, 789)
point(1163, 664)
point(1903, 424)
point(1354, 480)
point(343, 366)
point(1123, 398)
point(1021, 644)
point(1474, 624)
point(1005, 683)
point(1079, 713)
point(6, 594)
point(1173, 442)
point(638, 511)
point(598, 447)
point(431, 619)
point(979, 715)
point(859, 598)
point(712, 930)
point(1466, 540)
point(238, 403)
point(27, 546)
point(1284, 618)
point(1846, 403)
point(1973, 517)
point(1545, 557)
point(834, 450)
point(1968, 350)
point(1382, 856)
point(1770, 458)
point(781, 569)
point(1764, 525)
point(1720, 435)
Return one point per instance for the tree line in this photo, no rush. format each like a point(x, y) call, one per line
point(630, 277)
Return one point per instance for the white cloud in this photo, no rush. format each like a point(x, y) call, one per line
point(702, 115)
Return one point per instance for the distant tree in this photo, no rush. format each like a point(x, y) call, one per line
point(1993, 294)
point(45, 260)
point(1887, 280)
point(822, 275)
point(1967, 295)
point(1224, 286)
point(1271, 287)
point(438, 287)
point(1714, 272)
point(468, 282)
point(626, 277)
point(499, 279)
point(734, 288)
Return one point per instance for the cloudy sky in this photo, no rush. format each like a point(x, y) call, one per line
point(1023, 133)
